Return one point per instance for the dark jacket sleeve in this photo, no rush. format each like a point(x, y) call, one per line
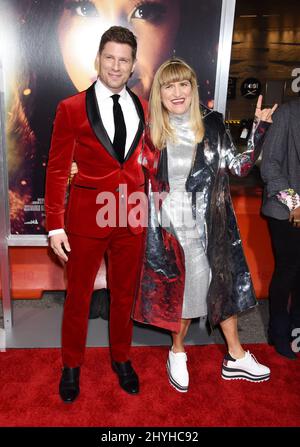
point(274, 152)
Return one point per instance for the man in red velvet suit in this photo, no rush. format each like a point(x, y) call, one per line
point(102, 129)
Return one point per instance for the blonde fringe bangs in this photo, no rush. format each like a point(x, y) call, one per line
point(175, 72)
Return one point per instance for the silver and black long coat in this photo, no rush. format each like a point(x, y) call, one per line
point(160, 292)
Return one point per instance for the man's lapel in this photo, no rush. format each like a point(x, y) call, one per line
point(295, 122)
point(140, 112)
point(96, 123)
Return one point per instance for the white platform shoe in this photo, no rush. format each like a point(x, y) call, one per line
point(177, 371)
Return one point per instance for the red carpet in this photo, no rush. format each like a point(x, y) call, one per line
point(29, 398)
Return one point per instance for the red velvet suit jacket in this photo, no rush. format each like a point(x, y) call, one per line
point(79, 134)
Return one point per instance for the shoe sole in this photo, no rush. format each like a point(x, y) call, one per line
point(69, 401)
point(173, 382)
point(242, 375)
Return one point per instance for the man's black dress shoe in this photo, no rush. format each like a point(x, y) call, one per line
point(128, 378)
point(69, 384)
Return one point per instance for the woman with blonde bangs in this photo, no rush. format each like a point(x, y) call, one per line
point(194, 263)
point(159, 116)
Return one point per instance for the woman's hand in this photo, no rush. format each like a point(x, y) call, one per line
point(264, 114)
point(74, 169)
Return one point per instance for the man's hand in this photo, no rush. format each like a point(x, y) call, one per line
point(295, 217)
point(264, 114)
point(59, 243)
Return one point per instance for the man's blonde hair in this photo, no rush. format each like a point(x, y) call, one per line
point(173, 70)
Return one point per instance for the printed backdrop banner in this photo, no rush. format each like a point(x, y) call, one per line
point(49, 50)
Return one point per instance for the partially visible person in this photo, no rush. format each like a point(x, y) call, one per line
point(280, 170)
point(102, 129)
point(194, 263)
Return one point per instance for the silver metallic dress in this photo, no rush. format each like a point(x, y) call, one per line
point(177, 213)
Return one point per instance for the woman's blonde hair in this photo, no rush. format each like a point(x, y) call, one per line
point(173, 70)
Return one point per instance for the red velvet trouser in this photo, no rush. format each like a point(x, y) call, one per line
point(124, 251)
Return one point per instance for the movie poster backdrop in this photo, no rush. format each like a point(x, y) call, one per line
point(48, 50)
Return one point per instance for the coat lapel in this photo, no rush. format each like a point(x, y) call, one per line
point(162, 169)
point(96, 123)
point(140, 112)
point(295, 123)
